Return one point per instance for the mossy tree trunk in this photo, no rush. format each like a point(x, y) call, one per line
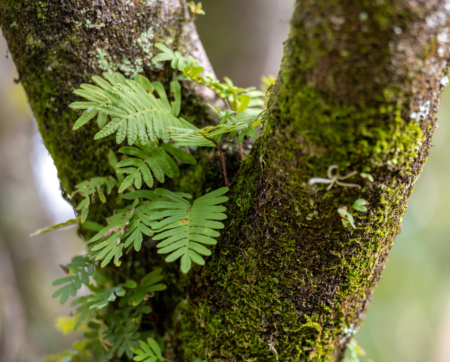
point(359, 87)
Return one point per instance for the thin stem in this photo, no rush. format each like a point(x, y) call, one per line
point(241, 150)
point(227, 103)
point(227, 184)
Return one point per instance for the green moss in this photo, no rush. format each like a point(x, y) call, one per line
point(283, 285)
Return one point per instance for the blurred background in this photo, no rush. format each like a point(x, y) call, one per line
point(409, 317)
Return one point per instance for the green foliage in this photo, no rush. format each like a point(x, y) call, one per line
point(106, 243)
point(148, 352)
point(242, 125)
point(135, 112)
point(147, 287)
point(80, 269)
point(87, 305)
point(142, 112)
point(367, 176)
point(360, 205)
point(88, 188)
point(55, 227)
point(195, 8)
point(184, 227)
point(151, 158)
point(347, 218)
point(239, 98)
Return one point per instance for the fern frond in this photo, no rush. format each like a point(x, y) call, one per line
point(203, 137)
point(80, 269)
point(96, 97)
point(124, 341)
point(151, 160)
point(89, 304)
point(148, 285)
point(132, 106)
point(125, 229)
point(106, 244)
point(88, 188)
point(184, 227)
point(191, 68)
point(148, 352)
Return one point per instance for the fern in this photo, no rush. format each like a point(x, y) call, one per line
point(191, 69)
point(126, 228)
point(89, 304)
point(95, 341)
point(205, 136)
point(88, 188)
point(107, 242)
point(142, 112)
point(150, 159)
point(148, 285)
point(135, 111)
point(81, 268)
point(148, 352)
point(123, 340)
point(97, 97)
point(185, 227)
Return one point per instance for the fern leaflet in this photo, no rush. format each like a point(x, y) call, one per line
point(148, 285)
point(88, 188)
point(97, 97)
point(148, 352)
point(185, 227)
point(80, 269)
point(240, 98)
point(135, 111)
point(90, 303)
point(151, 158)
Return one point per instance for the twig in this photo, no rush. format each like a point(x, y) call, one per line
point(227, 184)
point(241, 150)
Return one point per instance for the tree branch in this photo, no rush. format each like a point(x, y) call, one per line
point(359, 87)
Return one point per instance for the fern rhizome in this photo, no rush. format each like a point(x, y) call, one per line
point(158, 141)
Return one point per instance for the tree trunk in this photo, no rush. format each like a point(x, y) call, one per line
point(359, 87)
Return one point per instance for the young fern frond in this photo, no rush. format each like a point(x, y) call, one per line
point(88, 188)
point(151, 158)
point(80, 269)
point(184, 227)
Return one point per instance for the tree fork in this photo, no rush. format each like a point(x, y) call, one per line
point(359, 87)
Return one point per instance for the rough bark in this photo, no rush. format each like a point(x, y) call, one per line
point(287, 281)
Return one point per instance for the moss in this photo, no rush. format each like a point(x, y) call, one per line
point(283, 284)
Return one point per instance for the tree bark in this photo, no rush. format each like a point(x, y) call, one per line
point(359, 87)
point(288, 281)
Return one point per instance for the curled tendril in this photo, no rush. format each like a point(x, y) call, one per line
point(334, 179)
